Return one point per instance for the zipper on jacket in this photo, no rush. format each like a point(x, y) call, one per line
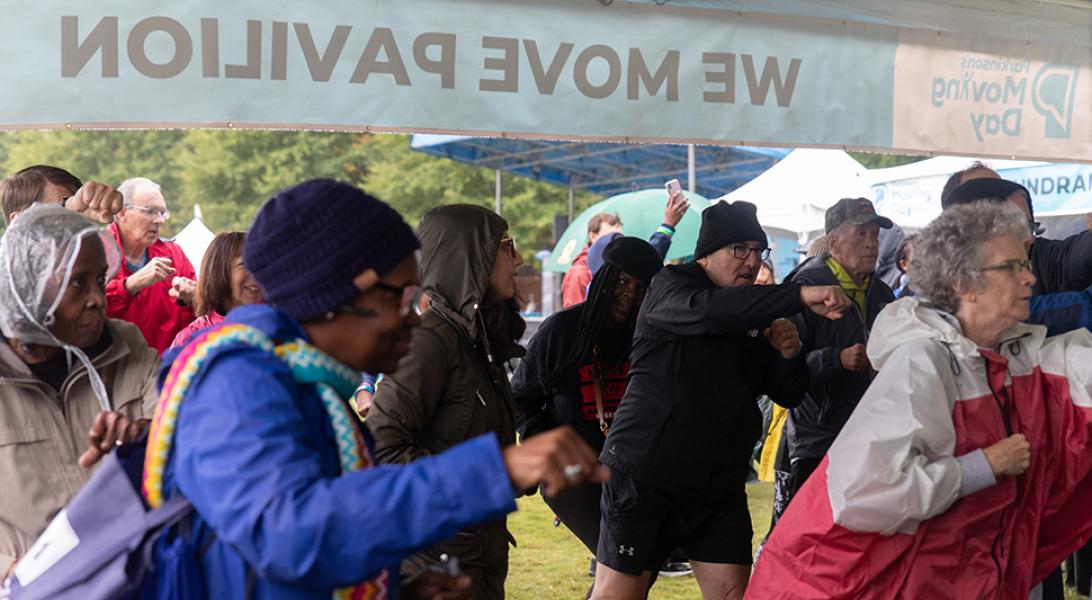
point(1006, 419)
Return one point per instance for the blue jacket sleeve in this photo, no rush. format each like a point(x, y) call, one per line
point(1062, 311)
point(661, 240)
point(248, 454)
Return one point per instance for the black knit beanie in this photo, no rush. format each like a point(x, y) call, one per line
point(728, 223)
point(308, 242)
point(634, 256)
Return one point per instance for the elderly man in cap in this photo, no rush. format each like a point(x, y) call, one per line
point(706, 345)
point(838, 368)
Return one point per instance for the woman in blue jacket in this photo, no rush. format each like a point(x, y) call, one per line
point(252, 428)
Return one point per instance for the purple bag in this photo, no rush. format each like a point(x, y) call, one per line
point(100, 545)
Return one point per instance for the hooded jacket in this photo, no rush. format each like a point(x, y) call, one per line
point(158, 316)
point(833, 392)
point(452, 386)
point(689, 420)
point(43, 432)
point(905, 504)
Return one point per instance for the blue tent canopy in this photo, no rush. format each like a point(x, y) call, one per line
point(607, 168)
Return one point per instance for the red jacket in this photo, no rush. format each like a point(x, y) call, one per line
point(158, 316)
point(574, 287)
point(905, 505)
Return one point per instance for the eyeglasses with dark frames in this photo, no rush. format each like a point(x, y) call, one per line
point(742, 251)
point(410, 297)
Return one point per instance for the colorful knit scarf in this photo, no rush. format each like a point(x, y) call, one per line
point(333, 380)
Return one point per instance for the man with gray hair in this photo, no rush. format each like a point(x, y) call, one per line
point(838, 368)
point(154, 287)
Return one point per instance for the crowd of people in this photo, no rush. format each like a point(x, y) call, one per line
point(344, 406)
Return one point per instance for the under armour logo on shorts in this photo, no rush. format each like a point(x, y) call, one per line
point(628, 550)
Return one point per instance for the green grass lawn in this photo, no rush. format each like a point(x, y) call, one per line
point(551, 563)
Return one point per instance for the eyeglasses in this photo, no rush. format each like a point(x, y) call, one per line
point(1014, 266)
point(510, 243)
point(741, 251)
point(152, 211)
point(410, 296)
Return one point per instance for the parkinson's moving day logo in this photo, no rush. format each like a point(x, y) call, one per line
point(1000, 93)
point(1053, 93)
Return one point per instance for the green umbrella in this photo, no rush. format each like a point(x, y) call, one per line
point(641, 213)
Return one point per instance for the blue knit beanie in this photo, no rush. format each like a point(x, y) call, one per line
point(308, 242)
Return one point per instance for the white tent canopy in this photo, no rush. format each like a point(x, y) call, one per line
point(195, 237)
point(794, 194)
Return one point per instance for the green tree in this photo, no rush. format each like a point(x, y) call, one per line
point(106, 156)
point(879, 160)
point(230, 173)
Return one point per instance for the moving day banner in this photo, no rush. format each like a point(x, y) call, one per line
point(567, 69)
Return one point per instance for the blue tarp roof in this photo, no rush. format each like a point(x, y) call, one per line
point(607, 168)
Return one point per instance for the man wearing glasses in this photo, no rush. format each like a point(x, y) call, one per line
point(837, 364)
point(155, 285)
point(707, 343)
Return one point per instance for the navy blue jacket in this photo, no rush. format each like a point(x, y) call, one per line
point(255, 453)
point(1062, 311)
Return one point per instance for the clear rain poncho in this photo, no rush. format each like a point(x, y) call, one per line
point(37, 254)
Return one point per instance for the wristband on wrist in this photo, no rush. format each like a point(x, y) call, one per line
point(666, 229)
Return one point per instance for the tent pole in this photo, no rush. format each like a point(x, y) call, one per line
point(497, 192)
point(572, 196)
point(691, 175)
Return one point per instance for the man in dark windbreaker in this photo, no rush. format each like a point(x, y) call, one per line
point(706, 345)
point(838, 368)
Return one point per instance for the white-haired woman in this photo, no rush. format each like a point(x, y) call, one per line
point(965, 470)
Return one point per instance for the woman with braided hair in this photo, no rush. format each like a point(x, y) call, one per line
point(576, 367)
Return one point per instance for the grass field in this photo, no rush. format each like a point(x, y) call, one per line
point(551, 563)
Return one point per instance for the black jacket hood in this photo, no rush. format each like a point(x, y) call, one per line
point(459, 245)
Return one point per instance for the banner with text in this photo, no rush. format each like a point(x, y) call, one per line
point(566, 70)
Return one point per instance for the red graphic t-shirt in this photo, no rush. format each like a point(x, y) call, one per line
point(614, 378)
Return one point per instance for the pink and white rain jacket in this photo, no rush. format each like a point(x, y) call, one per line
point(905, 505)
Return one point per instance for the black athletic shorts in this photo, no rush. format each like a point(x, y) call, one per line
point(642, 525)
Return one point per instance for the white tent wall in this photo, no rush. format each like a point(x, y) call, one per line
point(793, 195)
point(910, 194)
point(194, 238)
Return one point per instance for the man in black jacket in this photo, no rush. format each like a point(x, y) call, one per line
point(838, 368)
point(706, 345)
point(1059, 265)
